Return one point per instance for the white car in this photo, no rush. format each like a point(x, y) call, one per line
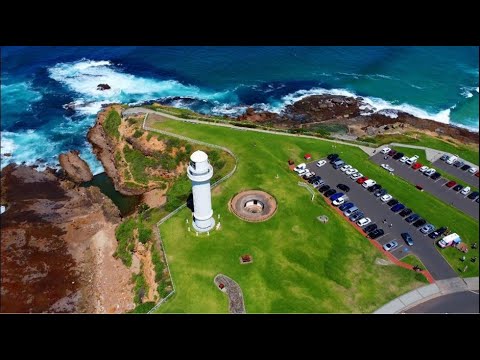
point(345, 167)
point(300, 167)
point(412, 160)
point(473, 170)
point(387, 167)
point(303, 172)
point(366, 184)
point(430, 172)
point(403, 159)
point(351, 171)
point(423, 169)
point(465, 190)
point(339, 201)
point(364, 221)
point(386, 150)
point(386, 197)
point(321, 163)
point(356, 176)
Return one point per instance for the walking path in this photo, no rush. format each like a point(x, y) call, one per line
point(234, 292)
point(427, 293)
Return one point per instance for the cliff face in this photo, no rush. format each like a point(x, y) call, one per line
point(75, 167)
point(57, 246)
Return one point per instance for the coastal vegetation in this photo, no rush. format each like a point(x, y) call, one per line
point(111, 124)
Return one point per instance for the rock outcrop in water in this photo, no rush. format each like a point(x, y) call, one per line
point(75, 167)
point(103, 87)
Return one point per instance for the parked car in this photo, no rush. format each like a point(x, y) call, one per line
point(356, 176)
point(430, 172)
point(345, 167)
point(403, 159)
point(356, 215)
point(419, 187)
point(444, 157)
point(343, 187)
point(332, 156)
point(458, 163)
point(364, 221)
point(350, 211)
point(465, 191)
point(362, 180)
point(451, 159)
point(416, 166)
point(392, 202)
point(405, 212)
point(472, 170)
point(380, 192)
point(477, 174)
point(411, 160)
point(338, 163)
point(465, 167)
point(300, 167)
point(457, 187)
point(423, 168)
point(314, 179)
point(367, 183)
point(397, 207)
point(321, 163)
point(318, 183)
point(376, 233)
point(351, 171)
point(324, 188)
point(398, 155)
point(425, 229)
point(473, 195)
point(308, 175)
point(387, 167)
point(329, 193)
point(435, 176)
point(386, 197)
point(419, 222)
point(408, 238)
point(412, 218)
point(450, 184)
point(392, 152)
point(439, 232)
point(374, 188)
point(390, 245)
point(385, 150)
point(346, 206)
point(339, 201)
point(336, 196)
point(370, 228)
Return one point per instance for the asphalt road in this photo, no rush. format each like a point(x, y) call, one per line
point(460, 302)
point(466, 176)
point(376, 210)
point(436, 188)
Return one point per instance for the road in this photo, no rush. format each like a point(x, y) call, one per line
point(466, 176)
point(436, 188)
point(376, 210)
point(460, 302)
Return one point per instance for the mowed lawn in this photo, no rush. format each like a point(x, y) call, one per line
point(299, 264)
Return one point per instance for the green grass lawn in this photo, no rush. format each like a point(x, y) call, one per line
point(299, 264)
point(413, 260)
point(469, 153)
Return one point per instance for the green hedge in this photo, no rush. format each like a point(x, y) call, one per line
point(111, 124)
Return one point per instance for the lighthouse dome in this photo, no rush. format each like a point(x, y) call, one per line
point(199, 156)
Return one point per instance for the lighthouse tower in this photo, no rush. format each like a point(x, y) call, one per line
point(200, 172)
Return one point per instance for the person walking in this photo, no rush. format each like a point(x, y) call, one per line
point(390, 225)
point(463, 258)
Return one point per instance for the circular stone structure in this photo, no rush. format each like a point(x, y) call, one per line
point(253, 205)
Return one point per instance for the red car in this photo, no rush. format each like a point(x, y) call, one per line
point(362, 180)
point(416, 166)
point(477, 174)
point(451, 183)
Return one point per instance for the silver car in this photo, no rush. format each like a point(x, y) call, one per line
point(390, 245)
point(428, 228)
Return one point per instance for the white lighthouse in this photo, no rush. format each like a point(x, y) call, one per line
point(200, 172)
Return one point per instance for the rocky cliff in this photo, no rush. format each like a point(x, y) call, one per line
point(75, 167)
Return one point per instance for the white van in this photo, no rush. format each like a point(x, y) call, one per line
point(451, 159)
point(449, 240)
point(366, 184)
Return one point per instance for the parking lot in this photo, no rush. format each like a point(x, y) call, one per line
point(434, 187)
point(378, 211)
point(446, 170)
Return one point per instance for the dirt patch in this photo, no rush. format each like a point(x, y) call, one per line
point(155, 198)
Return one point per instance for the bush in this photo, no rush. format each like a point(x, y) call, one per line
point(138, 163)
point(132, 121)
point(178, 193)
point(141, 287)
point(188, 148)
point(149, 136)
point(111, 124)
point(144, 233)
point(246, 125)
point(143, 308)
point(138, 133)
point(158, 264)
point(124, 235)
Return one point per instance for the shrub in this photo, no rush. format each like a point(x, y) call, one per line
point(178, 193)
point(144, 233)
point(137, 133)
point(141, 287)
point(149, 136)
point(132, 121)
point(124, 235)
point(143, 308)
point(111, 124)
point(158, 264)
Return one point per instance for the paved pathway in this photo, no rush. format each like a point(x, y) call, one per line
point(427, 293)
point(234, 293)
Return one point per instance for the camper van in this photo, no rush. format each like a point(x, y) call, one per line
point(449, 240)
point(452, 159)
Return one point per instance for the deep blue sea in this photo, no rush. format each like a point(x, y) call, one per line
point(439, 83)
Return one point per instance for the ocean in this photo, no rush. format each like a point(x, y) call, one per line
point(438, 83)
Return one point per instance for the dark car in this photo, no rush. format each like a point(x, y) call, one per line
point(397, 207)
point(419, 222)
point(314, 179)
point(435, 234)
point(457, 187)
point(473, 195)
point(392, 152)
point(458, 163)
point(465, 167)
point(356, 216)
point(346, 206)
point(370, 228)
point(398, 155)
point(376, 233)
point(392, 202)
point(343, 187)
point(332, 156)
point(380, 192)
point(435, 176)
point(374, 188)
point(324, 188)
point(334, 160)
point(444, 157)
point(329, 193)
point(408, 238)
point(405, 212)
point(412, 218)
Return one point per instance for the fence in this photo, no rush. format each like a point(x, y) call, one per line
point(166, 217)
